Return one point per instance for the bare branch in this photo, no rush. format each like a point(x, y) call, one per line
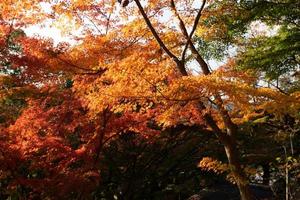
point(107, 24)
point(88, 18)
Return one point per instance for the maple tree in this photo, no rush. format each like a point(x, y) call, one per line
point(135, 69)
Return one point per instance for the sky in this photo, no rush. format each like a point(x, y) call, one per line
point(52, 32)
point(47, 30)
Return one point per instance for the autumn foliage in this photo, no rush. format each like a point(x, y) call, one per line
point(138, 73)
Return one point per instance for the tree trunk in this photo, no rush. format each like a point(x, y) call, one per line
point(235, 167)
point(232, 153)
point(267, 175)
point(227, 139)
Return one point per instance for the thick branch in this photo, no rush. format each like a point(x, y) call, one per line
point(101, 133)
point(193, 29)
point(226, 118)
point(188, 37)
point(180, 65)
point(228, 139)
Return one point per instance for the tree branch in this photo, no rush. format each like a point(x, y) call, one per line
point(86, 70)
point(189, 43)
point(193, 29)
point(180, 65)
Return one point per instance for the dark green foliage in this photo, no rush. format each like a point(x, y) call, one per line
point(69, 83)
point(276, 55)
point(216, 50)
point(74, 140)
point(13, 102)
point(9, 51)
point(279, 54)
point(272, 12)
point(12, 45)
